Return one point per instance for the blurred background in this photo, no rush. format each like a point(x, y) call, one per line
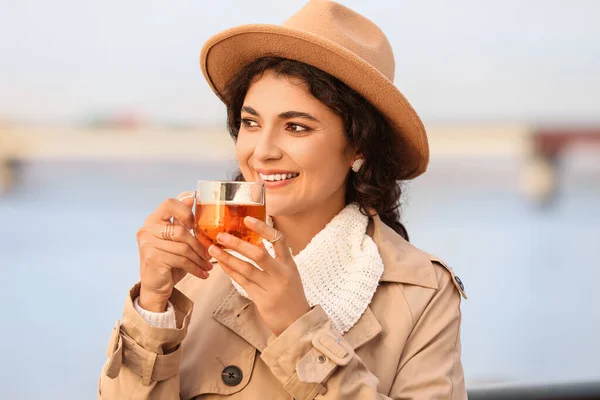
point(104, 113)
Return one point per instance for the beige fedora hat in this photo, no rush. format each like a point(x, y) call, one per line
point(339, 41)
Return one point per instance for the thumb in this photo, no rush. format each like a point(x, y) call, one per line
point(186, 198)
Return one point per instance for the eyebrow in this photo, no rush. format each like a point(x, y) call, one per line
point(283, 115)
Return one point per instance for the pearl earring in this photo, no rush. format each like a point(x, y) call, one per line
point(357, 164)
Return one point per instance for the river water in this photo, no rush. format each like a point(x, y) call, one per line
point(68, 256)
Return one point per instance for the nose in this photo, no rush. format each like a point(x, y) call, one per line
point(267, 147)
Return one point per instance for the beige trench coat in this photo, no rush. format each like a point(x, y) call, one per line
point(405, 346)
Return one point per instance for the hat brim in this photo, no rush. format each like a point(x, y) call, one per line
point(227, 52)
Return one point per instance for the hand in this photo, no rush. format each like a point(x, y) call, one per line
point(163, 263)
point(276, 290)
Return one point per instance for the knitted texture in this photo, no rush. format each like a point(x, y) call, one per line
point(340, 268)
point(164, 320)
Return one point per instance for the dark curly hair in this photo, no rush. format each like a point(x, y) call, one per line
point(374, 186)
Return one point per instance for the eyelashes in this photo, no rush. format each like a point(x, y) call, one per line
point(292, 127)
point(249, 123)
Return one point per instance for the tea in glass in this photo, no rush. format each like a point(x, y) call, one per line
point(222, 207)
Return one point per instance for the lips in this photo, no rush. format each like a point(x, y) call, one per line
point(278, 177)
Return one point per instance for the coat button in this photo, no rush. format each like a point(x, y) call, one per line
point(460, 284)
point(232, 375)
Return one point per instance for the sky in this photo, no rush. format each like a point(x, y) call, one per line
point(535, 61)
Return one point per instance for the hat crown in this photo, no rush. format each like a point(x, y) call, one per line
point(340, 42)
point(346, 28)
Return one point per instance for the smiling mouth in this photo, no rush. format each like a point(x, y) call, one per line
point(278, 177)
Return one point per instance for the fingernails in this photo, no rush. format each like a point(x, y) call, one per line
point(251, 220)
point(184, 195)
point(214, 251)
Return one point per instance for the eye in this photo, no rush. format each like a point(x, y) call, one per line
point(249, 123)
point(296, 128)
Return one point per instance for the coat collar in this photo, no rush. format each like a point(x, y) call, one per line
point(403, 263)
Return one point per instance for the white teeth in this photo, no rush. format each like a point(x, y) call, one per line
point(277, 177)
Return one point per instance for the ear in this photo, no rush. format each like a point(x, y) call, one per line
point(357, 154)
point(353, 153)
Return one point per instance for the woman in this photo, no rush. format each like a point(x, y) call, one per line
point(342, 307)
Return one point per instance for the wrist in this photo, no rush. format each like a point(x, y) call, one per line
point(300, 313)
point(152, 302)
point(165, 320)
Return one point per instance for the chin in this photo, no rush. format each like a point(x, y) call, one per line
point(277, 209)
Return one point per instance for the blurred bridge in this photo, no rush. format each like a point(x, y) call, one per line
point(539, 150)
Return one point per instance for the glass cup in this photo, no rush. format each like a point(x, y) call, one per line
point(222, 207)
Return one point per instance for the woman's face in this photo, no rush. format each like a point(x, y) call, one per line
point(295, 144)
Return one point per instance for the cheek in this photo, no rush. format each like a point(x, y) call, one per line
point(325, 169)
point(333, 174)
point(244, 149)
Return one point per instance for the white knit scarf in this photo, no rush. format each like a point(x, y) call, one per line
point(340, 268)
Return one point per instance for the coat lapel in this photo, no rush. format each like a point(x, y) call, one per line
point(403, 262)
point(365, 330)
point(240, 315)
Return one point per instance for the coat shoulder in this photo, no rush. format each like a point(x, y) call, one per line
point(405, 263)
point(446, 274)
point(412, 279)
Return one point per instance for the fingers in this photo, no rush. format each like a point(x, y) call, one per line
point(181, 243)
point(186, 198)
point(241, 271)
point(172, 208)
point(258, 254)
point(183, 250)
point(204, 240)
point(271, 234)
point(236, 276)
point(180, 234)
point(154, 254)
point(250, 287)
point(184, 263)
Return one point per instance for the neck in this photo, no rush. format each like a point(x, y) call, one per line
point(300, 228)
